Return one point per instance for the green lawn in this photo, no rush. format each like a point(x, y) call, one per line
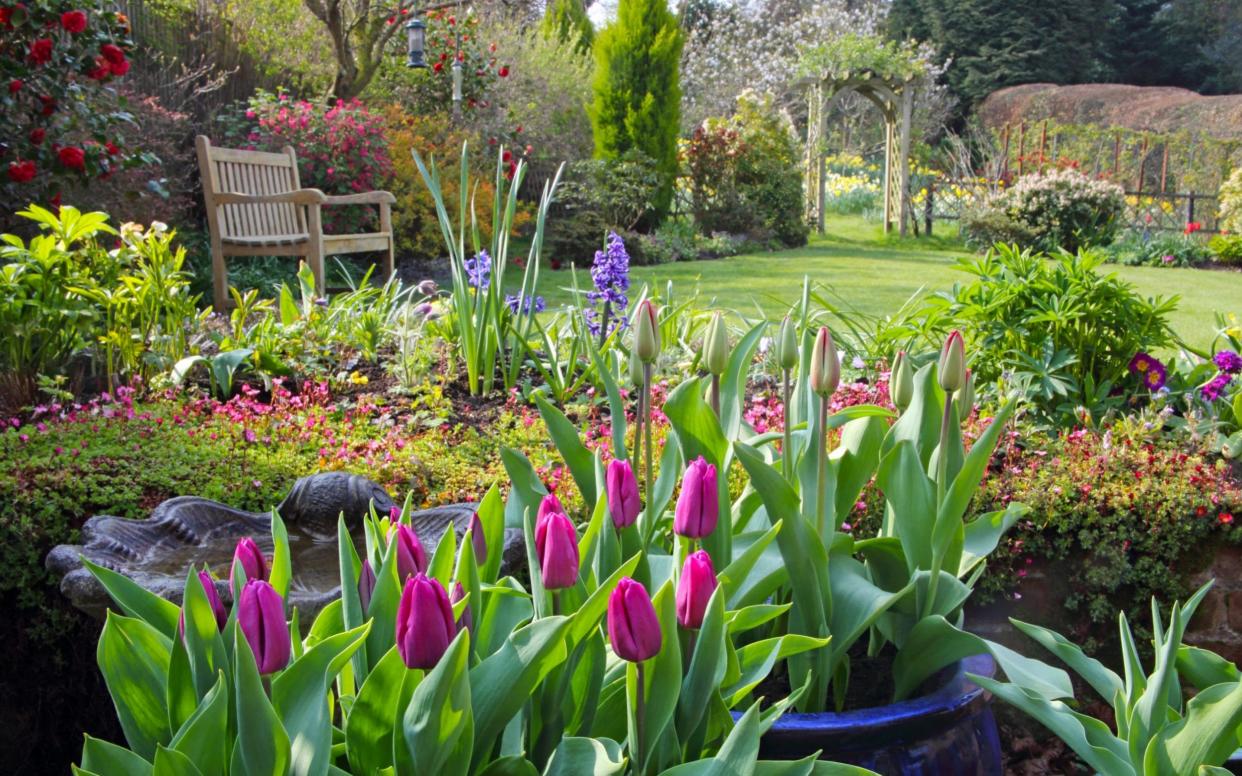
point(875, 274)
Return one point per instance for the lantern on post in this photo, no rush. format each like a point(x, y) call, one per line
point(416, 37)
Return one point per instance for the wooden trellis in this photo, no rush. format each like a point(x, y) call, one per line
point(895, 99)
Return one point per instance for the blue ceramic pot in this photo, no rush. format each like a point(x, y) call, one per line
point(949, 732)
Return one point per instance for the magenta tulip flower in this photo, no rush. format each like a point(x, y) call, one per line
point(694, 589)
point(478, 539)
point(549, 505)
point(466, 620)
point(633, 627)
point(411, 557)
point(213, 598)
point(558, 552)
point(697, 506)
point(366, 585)
point(261, 616)
point(622, 486)
point(425, 625)
point(247, 555)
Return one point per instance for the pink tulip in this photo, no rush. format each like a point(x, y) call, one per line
point(411, 557)
point(249, 557)
point(213, 599)
point(261, 616)
point(478, 539)
point(558, 552)
point(366, 585)
point(623, 501)
point(698, 504)
point(425, 626)
point(466, 620)
point(694, 589)
point(633, 628)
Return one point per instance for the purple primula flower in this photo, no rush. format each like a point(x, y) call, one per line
point(479, 271)
point(610, 273)
point(537, 304)
point(1213, 389)
point(1150, 370)
point(1228, 362)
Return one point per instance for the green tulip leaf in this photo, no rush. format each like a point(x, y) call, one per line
point(983, 534)
point(577, 457)
point(204, 736)
point(134, 658)
point(442, 560)
point(352, 614)
point(491, 514)
point(739, 576)
point(586, 620)
point(1204, 668)
point(1206, 735)
point(707, 667)
point(262, 746)
point(281, 572)
point(170, 762)
point(1102, 679)
point(513, 765)
point(749, 617)
point(438, 723)
point(108, 759)
point(369, 727)
point(586, 757)
point(616, 406)
point(136, 601)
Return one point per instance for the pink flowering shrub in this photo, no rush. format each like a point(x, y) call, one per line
point(341, 149)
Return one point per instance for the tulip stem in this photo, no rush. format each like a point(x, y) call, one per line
point(647, 440)
point(942, 485)
point(821, 494)
point(639, 722)
point(787, 441)
point(714, 395)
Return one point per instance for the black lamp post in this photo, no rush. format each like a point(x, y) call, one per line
point(416, 36)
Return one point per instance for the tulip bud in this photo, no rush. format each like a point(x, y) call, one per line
point(261, 617)
point(647, 332)
point(213, 599)
point(901, 381)
point(479, 539)
point(622, 486)
point(249, 558)
point(698, 504)
point(425, 625)
point(787, 344)
point(716, 346)
point(694, 589)
point(966, 400)
point(952, 368)
point(548, 506)
point(366, 585)
point(558, 553)
point(825, 364)
point(411, 557)
point(466, 621)
point(633, 628)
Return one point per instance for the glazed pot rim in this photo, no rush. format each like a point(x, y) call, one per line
point(956, 697)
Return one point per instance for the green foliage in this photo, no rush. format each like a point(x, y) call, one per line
point(1227, 249)
point(598, 196)
point(637, 91)
point(567, 21)
point(1023, 308)
point(744, 176)
point(1059, 209)
point(858, 55)
point(1162, 249)
point(1231, 202)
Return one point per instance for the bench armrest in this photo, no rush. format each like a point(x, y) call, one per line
point(366, 198)
point(299, 197)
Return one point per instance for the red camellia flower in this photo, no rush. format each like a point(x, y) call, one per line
point(41, 51)
point(49, 105)
point(120, 68)
point(6, 16)
point(22, 172)
point(73, 21)
point(112, 53)
point(101, 70)
point(111, 148)
point(15, 86)
point(37, 134)
point(503, 72)
point(72, 157)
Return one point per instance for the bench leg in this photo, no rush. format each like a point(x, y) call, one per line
point(386, 226)
point(314, 257)
point(219, 275)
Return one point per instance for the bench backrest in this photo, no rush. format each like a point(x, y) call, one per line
point(232, 170)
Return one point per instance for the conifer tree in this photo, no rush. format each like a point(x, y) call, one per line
point(567, 20)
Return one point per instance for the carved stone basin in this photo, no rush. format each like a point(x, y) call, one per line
point(189, 531)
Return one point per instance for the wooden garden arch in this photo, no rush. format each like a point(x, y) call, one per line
point(895, 99)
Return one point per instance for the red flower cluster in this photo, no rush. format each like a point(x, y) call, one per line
point(73, 22)
point(72, 157)
point(22, 172)
point(1192, 227)
point(40, 51)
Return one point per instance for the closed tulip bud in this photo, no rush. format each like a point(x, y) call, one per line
point(558, 553)
point(694, 589)
point(249, 559)
point(366, 585)
point(698, 504)
point(633, 628)
point(213, 599)
point(825, 364)
point(478, 539)
point(623, 502)
point(425, 625)
point(466, 620)
point(411, 557)
point(261, 616)
point(787, 344)
point(966, 401)
point(548, 506)
point(952, 368)
point(647, 332)
point(901, 381)
point(716, 346)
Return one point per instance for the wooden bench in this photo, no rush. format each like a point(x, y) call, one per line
point(256, 206)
